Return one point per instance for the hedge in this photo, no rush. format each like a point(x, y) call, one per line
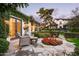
point(41, 35)
point(4, 45)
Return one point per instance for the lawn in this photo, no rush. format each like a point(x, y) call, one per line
point(74, 40)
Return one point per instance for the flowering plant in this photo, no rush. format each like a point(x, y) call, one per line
point(53, 42)
point(46, 41)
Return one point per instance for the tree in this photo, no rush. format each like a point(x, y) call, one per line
point(6, 10)
point(74, 22)
point(46, 15)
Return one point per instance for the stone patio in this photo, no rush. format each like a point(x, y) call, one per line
point(41, 49)
point(47, 50)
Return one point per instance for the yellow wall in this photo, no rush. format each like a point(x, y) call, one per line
point(29, 26)
point(12, 28)
point(33, 27)
point(19, 26)
point(12, 33)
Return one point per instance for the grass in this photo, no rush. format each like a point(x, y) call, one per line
point(74, 40)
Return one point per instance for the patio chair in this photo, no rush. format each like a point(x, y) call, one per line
point(24, 41)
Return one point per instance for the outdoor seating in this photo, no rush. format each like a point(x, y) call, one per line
point(23, 41)
point(27, 40)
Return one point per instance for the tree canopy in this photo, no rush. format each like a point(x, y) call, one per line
point(74, 23)
point(46, 15)
point(7, 8)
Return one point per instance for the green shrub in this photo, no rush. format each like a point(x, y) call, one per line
point(4, 44)
point(41, 35)
point(62, 33)
point(2, 29)
point(45, 31)
point(74, 30)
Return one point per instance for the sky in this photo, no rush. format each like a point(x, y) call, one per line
point(61, 9)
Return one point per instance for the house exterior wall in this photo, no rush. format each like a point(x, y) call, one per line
point(60, 23)
point(12, 28)
point(31, 27)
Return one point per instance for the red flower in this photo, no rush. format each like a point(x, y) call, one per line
point(46, 41)
point(53, 42)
